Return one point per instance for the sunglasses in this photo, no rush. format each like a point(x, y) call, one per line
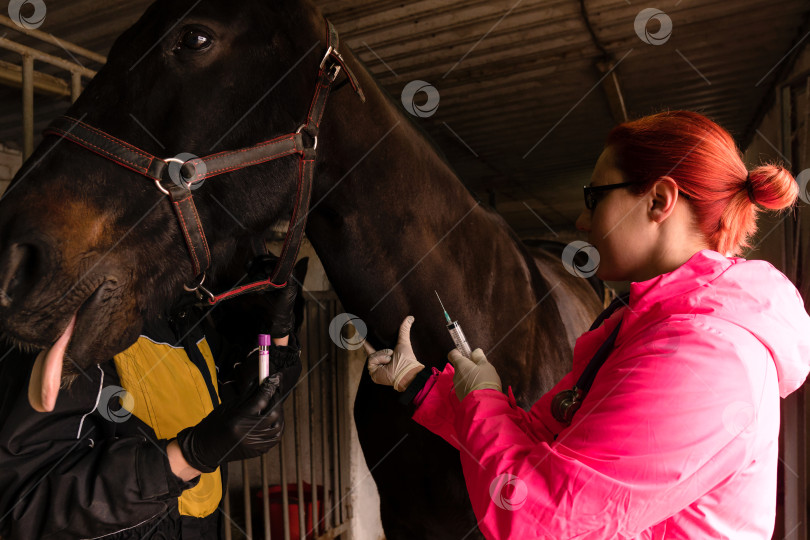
point(594, 194)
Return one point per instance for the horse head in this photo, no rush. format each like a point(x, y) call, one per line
point(82, 235)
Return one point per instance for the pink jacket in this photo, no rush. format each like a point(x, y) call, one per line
point(678, 435)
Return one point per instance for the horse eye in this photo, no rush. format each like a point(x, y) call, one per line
point(194, 40)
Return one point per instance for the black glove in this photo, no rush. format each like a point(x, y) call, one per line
point(240, 429)
point(283, 359)
point(278, 305)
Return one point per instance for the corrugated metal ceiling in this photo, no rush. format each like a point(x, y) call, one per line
point(523, 114)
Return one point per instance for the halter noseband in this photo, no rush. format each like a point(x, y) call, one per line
point(189, 173)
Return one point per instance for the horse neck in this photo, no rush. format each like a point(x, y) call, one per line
point(391, 222)
point(386, 193)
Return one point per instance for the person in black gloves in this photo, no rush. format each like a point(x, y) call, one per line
point(134, 447)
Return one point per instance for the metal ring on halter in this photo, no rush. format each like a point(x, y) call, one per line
point(161, 188)
point(315, 146)
point(200, 280)
point(199, 289)
point(186, 185)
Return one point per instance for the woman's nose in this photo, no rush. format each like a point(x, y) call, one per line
point(584, 221)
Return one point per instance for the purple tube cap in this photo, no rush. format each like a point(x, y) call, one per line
point(264, 340)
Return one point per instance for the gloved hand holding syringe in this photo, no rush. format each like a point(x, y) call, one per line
point(397, 367)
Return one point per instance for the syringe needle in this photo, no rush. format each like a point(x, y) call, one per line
point(446, 316)
point(440, 300)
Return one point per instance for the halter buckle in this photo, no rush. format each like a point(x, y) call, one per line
point(326, 56)
point(334, 70)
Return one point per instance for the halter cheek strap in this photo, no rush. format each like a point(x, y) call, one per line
point(177, 179)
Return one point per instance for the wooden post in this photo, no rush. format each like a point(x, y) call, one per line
point(28, 105)
point(75, 86)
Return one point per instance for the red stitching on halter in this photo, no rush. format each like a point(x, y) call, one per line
point(112, 138)
point(183, 227)
point(155, 167)
point(97, 149)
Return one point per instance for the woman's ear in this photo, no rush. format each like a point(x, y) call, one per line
point(663, 196)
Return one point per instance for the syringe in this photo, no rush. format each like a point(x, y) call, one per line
point(455, 332)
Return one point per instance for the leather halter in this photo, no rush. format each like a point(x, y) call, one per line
point(177, 178)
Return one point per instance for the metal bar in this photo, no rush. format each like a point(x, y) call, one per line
point(787, 128)
point(265, 498)
point(75, 85)
point(226, 508)
point(794, 435)
point(615, 96)
point(322, 374)
point(312, 353)
point(805, 158)
point(336, 514)
point(285, 497)
point(341, 371)
point(805, 155)
point(246, 500)
point(40, 56)
point(28, 105)
point(44, 36)
point(299, 468)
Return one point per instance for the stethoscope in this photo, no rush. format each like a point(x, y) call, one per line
point(566, 403)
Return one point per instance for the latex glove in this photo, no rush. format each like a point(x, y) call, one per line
point(395, 368)
point(474, 373)
point(236, 430)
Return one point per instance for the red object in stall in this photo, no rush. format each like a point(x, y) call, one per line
point(274, 494)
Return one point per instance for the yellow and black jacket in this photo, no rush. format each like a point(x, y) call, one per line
point(96, 466)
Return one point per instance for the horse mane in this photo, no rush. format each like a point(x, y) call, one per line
point(420, 129)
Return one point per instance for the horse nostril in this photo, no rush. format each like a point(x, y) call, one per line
point(18, 272)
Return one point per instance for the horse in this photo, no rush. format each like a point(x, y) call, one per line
point(88, 236)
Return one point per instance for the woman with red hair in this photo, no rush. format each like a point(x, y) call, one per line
point(668, 424)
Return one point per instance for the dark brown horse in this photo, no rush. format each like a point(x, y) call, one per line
point(389, 219)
